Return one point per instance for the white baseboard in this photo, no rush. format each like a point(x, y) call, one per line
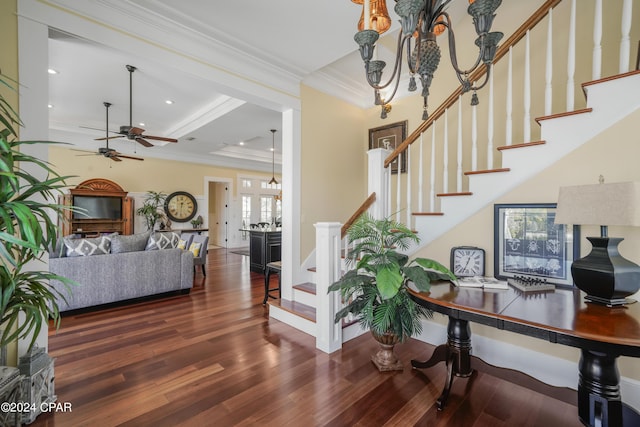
point(549, 369)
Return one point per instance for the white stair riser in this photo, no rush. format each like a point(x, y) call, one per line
point(304, 297)
point(291, 319)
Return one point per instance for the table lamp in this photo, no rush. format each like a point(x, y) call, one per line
point(604, 275)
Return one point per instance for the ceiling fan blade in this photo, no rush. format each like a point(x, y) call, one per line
point(128, 157)
point(115, 158)
point(143, 142)
point(160, 138)
point(105, 138)
point(136, 131)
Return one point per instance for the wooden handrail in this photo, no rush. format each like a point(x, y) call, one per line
point(365, 205)
point(533, 20)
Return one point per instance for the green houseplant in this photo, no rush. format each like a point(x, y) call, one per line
point(27, 230)
point(376, 290)
point(152, 208)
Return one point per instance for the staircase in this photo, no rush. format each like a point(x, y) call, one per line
point(608, 101)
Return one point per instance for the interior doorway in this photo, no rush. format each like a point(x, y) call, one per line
point(217, 200)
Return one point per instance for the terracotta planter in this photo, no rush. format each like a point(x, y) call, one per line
point(385, 359)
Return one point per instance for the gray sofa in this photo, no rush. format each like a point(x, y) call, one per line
point(131, 273)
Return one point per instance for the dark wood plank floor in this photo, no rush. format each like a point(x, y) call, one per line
point(215, 358)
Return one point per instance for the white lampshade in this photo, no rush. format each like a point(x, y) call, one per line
point(599, 204)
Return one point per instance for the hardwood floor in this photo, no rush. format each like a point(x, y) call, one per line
point(215, 358)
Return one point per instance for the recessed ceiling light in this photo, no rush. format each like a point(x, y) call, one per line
point(141, 124)
point(168, 101)
point(271, 149)
point(241, 142)
point(52, 71)
point(49, 105)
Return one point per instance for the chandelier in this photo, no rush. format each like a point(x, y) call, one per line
point(421, 22)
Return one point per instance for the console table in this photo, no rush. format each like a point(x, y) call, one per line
point(602, 333)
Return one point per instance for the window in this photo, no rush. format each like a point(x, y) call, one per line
point(246, 211)
point(266, 185)
point(246, 183)
point(266, 204)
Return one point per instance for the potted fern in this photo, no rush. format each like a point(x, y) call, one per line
point(28, 228)
point(376, 289)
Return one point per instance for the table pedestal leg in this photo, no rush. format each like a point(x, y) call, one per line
point(599, 402)
point(456, 353)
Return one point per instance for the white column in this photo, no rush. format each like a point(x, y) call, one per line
point(33, 61)
point(596, 68)
point(328, 332)
point(571, 58)
point(378, 182)
point(625, 28)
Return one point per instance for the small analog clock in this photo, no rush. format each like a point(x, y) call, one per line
point(467, 261)
point(180, 206)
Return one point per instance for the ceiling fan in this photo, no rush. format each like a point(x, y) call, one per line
point(110, 153)
point(131, 132)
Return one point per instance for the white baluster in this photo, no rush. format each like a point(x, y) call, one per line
point(571, 58)
point(509, 119)
point(490, 124)
point(445, 155)
point(459, 148)
point(548, 88)
point(399, 162)
point(474, 137)
point(526, 130)
point(596, 69)
point(408, 223)
point(625, 28)
point(420, 178)
point(432, 178)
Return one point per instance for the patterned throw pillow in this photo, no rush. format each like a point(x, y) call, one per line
point(182, 244)
point(86, 247)
point(195, 249)
point(162, 241)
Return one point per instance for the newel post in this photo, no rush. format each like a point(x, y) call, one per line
point(379, 182)
point(328, 269)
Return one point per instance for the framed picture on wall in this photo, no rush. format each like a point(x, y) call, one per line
point(528, 243)
point(389, 137)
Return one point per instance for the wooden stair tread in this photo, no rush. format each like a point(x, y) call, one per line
point(307, 287)
point(464, 193)
point(311, 269)
point(523, 145)
point(607, 79)
point(297, 308)
point(488, 171)
point(565, 114)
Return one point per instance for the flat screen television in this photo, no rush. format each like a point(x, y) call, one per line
point(97, 207)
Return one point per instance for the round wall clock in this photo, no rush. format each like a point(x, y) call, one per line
point(467, 261)
point(180, 206)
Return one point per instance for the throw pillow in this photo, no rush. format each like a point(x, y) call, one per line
point(159, 240)
point(86, 247)
point(182, 244)
point(195, 249)
point(131, 243)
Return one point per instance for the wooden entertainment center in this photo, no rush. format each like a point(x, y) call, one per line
point(97, 189)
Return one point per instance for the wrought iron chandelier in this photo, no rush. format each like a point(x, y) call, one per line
point(422, 21)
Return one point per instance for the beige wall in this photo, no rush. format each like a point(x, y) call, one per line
point(135, 176)
point(609, 154)
point(333, 165)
